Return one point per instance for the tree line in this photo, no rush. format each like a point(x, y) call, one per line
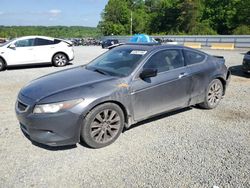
point(52, 31)
point(199, 17)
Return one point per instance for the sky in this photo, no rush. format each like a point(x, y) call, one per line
point(51, 12)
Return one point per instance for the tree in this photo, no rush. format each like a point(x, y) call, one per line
point(221, 14)
point(176, 16)
point(188, 17)
point(115, 18)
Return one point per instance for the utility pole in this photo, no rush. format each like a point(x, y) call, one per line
point(131, 23)
point(131, 18)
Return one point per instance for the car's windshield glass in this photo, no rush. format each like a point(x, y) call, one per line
point(117, 62)
point(6, 43)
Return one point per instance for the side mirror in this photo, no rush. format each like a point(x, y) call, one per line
point(148, 73)
point(12, 46)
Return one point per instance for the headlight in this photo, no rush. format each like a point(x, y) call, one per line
point(56, 107)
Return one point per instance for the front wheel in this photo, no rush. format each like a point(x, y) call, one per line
point(214, 94)
point(60, 60)
point(103, 125)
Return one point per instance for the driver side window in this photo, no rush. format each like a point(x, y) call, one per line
point(25, 43)
point(165, 60)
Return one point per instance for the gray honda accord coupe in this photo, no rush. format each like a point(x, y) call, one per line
point(93, 103)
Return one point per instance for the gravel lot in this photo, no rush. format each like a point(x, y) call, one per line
point(187, 148)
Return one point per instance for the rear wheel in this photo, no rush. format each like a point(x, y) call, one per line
point(2, 65)
point(103, 125)
point(213, 94)
point(60, 60)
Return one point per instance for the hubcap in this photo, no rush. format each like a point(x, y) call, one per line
point(105, 126)
point(60, 60)
point(214, 94)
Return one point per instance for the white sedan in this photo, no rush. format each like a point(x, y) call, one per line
point(35, 49)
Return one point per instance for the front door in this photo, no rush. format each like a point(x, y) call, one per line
point(23, 53)
point(170, 89)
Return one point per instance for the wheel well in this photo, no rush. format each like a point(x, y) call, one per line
point(3, 60)
point(223, 84)
point(59, 53)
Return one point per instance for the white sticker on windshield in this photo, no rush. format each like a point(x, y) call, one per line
point(138, 52)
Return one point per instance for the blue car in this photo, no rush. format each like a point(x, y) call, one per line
point(93, 103)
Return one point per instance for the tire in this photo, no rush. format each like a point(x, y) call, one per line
point(60, 60)
point(102, 125)
point(2, 65)
point(214, 94)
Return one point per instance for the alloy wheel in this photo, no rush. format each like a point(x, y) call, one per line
point(105, 126)
point(214, 94)
point(60, 60)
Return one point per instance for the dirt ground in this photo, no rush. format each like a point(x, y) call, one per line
point(187, 148)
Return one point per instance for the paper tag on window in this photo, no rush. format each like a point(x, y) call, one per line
point(138, 52)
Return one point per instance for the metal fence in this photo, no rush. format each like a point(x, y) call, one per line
point(240, 41)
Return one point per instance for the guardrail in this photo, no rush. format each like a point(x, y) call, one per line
point(239, 41)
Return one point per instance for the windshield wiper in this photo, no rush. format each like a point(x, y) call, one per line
point(100, 71)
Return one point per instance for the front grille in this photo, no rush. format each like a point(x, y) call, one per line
point(21, 106)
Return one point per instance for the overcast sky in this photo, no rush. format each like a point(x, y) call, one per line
point(51, 12)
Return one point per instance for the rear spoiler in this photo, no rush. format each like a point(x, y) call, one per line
point(217, 56)
point(220, 58)
point(68, 42)
point(64, 40)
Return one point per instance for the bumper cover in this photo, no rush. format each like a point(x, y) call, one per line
point(57, 129)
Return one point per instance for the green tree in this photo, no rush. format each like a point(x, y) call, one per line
point(221, 14)
point(115, 18)
point(189, 12)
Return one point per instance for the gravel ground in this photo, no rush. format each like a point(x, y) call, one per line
point(187, 148)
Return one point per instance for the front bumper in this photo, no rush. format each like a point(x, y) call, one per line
point(54, 129)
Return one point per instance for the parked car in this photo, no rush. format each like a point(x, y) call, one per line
point(2, 40)
point(246, 63)
point(35, 49)
point(109, 42)
point(123, 86)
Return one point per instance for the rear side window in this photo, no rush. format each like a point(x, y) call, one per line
point(165, 60)
point(43, 42)
point(192, 57)
point(56, 41)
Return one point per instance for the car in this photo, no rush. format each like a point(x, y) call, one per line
point(109, 42)
point(2, 40)
point(123, 86)
point(35, 49)
point(246, 63)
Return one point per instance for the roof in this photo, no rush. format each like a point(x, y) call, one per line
point(35, 36)
point(148, 46)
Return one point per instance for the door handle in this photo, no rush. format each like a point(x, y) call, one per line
point(184, 74)
point(30, 49)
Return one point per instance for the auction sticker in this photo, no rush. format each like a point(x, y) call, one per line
point(138, 52)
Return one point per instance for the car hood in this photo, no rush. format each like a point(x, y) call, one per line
point(62, 81)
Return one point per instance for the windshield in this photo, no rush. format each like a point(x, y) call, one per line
point(117, 62)
point(6, 43)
